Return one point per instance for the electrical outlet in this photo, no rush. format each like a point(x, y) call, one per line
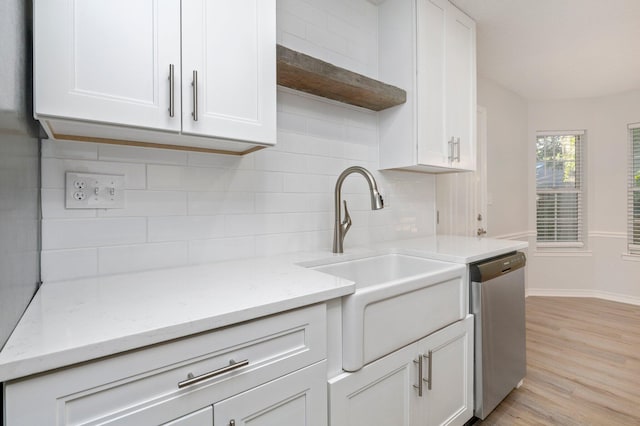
point(94, 191)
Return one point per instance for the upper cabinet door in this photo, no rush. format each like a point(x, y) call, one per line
point(229, 70)
point(441, 87)
point(431, 78)
point(107, 61)
point(461, 87)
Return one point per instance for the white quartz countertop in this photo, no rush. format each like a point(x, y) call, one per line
point(75, 321)
point(69, 322)
point(455, 249)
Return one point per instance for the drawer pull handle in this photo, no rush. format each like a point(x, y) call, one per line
point(429, 378)
point(420, 379)
point(193, 380)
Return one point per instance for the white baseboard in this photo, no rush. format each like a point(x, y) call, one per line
point(614, 297)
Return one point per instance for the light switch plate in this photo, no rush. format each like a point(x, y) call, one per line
point(94, 191)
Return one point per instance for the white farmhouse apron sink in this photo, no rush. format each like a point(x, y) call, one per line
point(398, 300)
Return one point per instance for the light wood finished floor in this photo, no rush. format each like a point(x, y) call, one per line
point(583, 365)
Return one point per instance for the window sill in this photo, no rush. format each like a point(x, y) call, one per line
point(567, 246)
point(547, 252)
point(630, 257)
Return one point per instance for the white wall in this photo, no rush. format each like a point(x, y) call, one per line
point(19, 170)
point(601, 269)
point(507, 160)
point(186, 208)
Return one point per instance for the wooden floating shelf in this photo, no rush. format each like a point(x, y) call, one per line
point(311, 75)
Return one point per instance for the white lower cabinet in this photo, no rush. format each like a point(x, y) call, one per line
point(251, 374)
point(200, 417)
point(429, 382)
point(297, 399)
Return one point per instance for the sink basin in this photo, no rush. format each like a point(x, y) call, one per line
point(398, 300)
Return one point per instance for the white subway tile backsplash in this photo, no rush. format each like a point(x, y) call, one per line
point(190, 207)
point(337, 24)
point(302, 222)
point(301, 103)
point(69, 150)
point(135, 154)
point(331, 41)
point(276, 161)
point(360, 135)
point(291, 122)
point(291, 202)
point(289, 23)
point(68, 264)
point(326, 129)
point(214, 203)
point(270, 245)
point(326, 165)
point(96, 232)
point(205, 159)
point(53, 171)
point(301, 44)
point(189, 178)
point(256, 181)
point(360, 117)
point(150, 203)
point(304, 11)
point(255, 224)
point(203, 251)
point(53, 206)
point(355, 151)
point(181, 228)
point(308, 183)
point(140, 257)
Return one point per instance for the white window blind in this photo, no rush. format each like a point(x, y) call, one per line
point(559, 188)
point(633, 212)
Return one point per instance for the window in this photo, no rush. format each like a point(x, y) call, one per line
point(559, 188)
point(634, 189)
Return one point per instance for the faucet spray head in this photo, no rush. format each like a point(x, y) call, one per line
point(377, 202)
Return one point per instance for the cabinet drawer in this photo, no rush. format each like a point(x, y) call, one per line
point(142, 387)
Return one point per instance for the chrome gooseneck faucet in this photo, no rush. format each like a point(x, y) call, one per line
point(342, 226)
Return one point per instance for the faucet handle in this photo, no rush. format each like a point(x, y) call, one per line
point(346, 222)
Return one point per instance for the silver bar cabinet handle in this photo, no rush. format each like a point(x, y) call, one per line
point(193, 380)
point(458, 150)
point(429, 356)
point(194, 84)
point(171, 91)
point(420, 379)
point(450, 144)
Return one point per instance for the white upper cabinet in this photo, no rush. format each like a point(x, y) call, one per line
point(104, 62)
point(122, 70)
point(428, 48)
point(224, 42)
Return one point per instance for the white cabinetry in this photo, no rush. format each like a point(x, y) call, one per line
point(253, 373)
point(428, 48)
point(387, 391)
point(197, 73)
point(296, 399)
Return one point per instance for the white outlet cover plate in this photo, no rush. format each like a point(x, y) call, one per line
point(94, 191)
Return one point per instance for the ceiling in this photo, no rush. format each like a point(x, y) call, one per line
point(558, 49)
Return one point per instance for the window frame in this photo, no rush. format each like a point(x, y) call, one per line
point(580, 190)
point(632, 220)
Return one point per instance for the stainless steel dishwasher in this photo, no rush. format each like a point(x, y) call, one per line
point(498, 304)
